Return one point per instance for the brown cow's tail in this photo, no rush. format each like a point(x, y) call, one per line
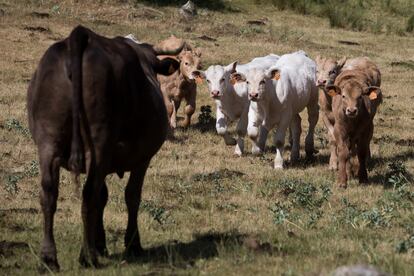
point(78, 41)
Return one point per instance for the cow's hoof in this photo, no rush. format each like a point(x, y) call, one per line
point(230, 142)
point(343, 185)
point(238, 152)
point(278, 167)
point(333, 167)
point(102, 251)
point(134, 252)
point(49, 264)
point(88, 260)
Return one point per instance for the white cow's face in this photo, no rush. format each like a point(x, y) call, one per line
point(254, 81)
point(217, 78)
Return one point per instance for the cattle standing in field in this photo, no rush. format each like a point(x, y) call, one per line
point(231, 98)
point(277, 96)
point(181, 84)
point(95, 107)
point(354, 105)
point(328, 70)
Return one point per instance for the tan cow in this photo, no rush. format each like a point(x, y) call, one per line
point(355, 100)
point(328, 70)
point(181, 84)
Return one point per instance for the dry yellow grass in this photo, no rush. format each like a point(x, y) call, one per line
point(183, 209)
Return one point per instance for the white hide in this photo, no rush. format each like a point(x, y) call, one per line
point(278, 103)
point(232, 103)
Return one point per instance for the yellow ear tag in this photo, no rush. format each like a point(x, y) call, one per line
point(373, 95)
point(276, 76)
point(332, 92)
point(233, 80)
point(171, 69)
point(198, 80)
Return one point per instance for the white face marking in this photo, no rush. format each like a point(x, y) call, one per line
point(256, 82)
point(217, 78)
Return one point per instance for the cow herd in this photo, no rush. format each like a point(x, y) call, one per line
point(100, 106)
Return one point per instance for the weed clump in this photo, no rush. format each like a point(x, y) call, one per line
point(206, 121)
point(15, 125)
point(302, 203)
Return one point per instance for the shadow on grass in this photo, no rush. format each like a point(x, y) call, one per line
point(214, 5)
point(204, 246)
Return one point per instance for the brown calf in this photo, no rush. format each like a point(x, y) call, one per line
point(181, 85)
point(328, 70)
point(354, 103)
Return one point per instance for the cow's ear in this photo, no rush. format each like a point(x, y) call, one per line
point(166, 66)
point(333, 90)
point(273, 74)
point(367, 103)
point(373, 92)
point(341, 62)
point(237, 77)
point(197, 52)
point(232, 67)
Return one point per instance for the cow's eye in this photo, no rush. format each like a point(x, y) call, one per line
point(343, 96)
point(247, 82)
point(222, 80)
point(262, 82)
point(186, 63)
point(332, 72)
point(208, 81)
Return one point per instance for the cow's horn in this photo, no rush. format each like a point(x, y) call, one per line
point(168, 50)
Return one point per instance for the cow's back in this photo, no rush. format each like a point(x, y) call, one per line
point(297, 79)
point(119, 102)
point(366, 65)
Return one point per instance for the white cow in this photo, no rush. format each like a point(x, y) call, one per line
point(231, 98)
point(277, 96)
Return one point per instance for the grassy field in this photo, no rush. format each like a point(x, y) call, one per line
point(205, 211)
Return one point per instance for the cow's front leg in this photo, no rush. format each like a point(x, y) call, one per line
point(254, 127)
point(343, 159)
point(221, 127)
point(280, 142)
point(333, 159)
point(133, 200)
point(189, 108)
point(241, 130)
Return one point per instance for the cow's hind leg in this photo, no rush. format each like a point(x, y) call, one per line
point(100, 240)
point(313, 116)
point(295, 129)
point(133, 199)
point(90, 201)
point(49, 167)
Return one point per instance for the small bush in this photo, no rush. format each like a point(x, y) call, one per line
point(206, 122)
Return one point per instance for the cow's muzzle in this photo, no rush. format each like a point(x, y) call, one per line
point(253, 96)
point(351, 112)
point(215, 94)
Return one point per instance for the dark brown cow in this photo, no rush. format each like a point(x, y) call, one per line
point(95, 107)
